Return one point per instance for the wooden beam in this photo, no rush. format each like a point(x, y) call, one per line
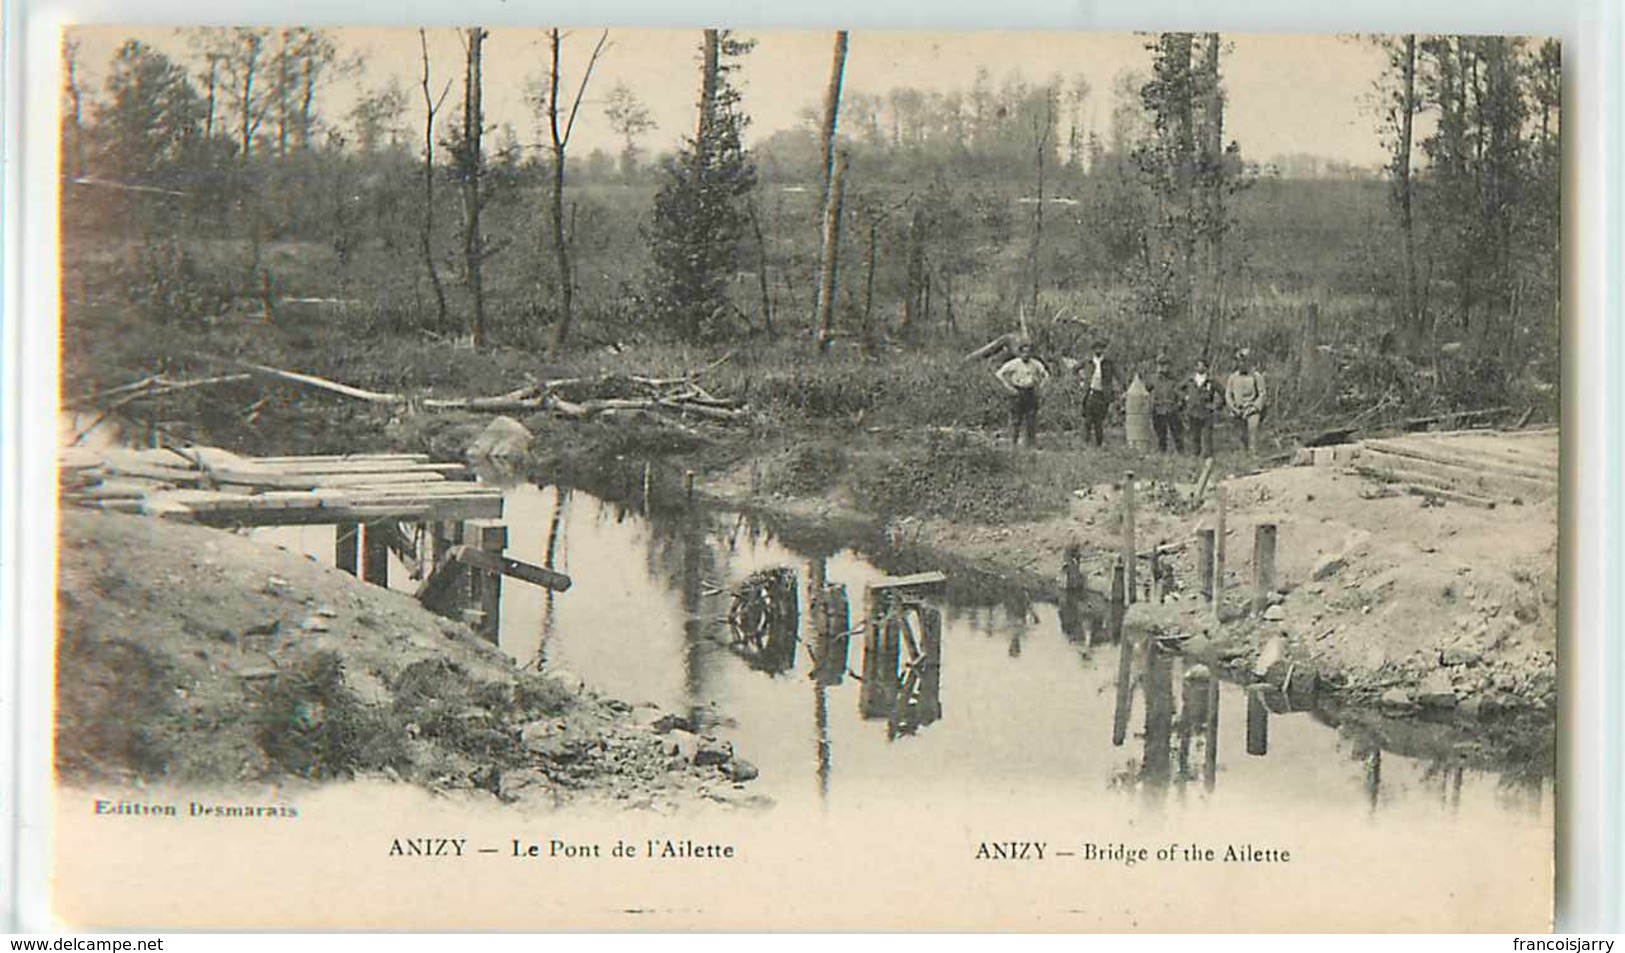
point(930, 578)
point(508, 566)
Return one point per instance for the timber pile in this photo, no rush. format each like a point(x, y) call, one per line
point(214, 486)
point(1475, 467)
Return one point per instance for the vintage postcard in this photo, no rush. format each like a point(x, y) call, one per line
point(544, 479)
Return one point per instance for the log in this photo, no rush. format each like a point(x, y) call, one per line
point(930, 578)
point(990, 348)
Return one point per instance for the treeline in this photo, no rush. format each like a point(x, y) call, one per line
point(957, 210)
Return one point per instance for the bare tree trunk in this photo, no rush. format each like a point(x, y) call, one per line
point(869, 287)
point(708, 96)
point(762, 280)
point(832, 106)
point(473, 160)
point(830, 257)
point(1402, 183)
point(431, 106)
point(561, 140)
point(1213, 166)
point(561, 250)
point(834, 169)
point(1042, 147)
point(914, 293)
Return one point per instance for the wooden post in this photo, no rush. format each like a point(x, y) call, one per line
point(755, 477)
point(1258, 722)
point(1264, 536)
point(881, 643)
point(1129, 558)
point(648, 474)
point(1156, 574)
point(1204, 561)
point(1125, 657)
point(491, 537)
point(688, 485)
point(1218, 553)
point(1211, 775)
point(375, 556)
point(346, 536)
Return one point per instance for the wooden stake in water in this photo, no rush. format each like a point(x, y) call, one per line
point(1128, 535)
point(1264, 538)
point(1204, 561)
point(1218, 552)
point(1125, 657)
point(492, 537)
point(1258, 723)
point(1210, 776)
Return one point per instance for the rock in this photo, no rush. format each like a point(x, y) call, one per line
point(683, 744)
point(560, 741)
point(1328, 566)
point(645, 716)
point(1275, 613)
point(711, 751)
point(314, 624)
point(1397, 698)
point(1437, 691)
point(502, 439)
point(327, 612)
point(1461, 655)
point(517, 783)
point(1472, 707)
point(566, 680)
point(671, 722)
point(276, 586)
point(741, 770)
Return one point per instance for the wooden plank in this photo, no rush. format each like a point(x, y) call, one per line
point(1474, 479)
point(338, 467)
point(1435, 454)
point(152, 471)
point(1451, 495)
point(342, 458)
point(491, 562)
point(930, 578)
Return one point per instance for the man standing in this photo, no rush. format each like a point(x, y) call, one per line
point(1022, 375)
point(1165, 407)
point(1245, 395)
point(1098, 377)
point(1202, 399)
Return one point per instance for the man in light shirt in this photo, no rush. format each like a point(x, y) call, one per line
point(1022, 376)
point(1245, 395)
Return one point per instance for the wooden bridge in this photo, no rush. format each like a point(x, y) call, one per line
point(368, 498)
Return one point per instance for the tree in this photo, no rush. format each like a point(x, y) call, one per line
point(699, 213)
point(630, 119)
point(376, 119)
point(151, 117)
point(561, 140)
point(468, 161)
point(431, 106)
point(1400, 107)
point(832, 173)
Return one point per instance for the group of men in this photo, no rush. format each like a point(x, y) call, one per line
point(1180, 404)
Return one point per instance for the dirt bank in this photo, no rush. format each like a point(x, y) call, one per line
point(190, 655)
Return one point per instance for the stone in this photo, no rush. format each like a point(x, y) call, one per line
point(1437, 691)
point(1396, 698)
point(671, 722)
point(741, 770)
point(502, 439)
point(559, 741)
point(645, 716)
point(520, 782)
point(314, 624)
point(1328, 566)
point(683, 744)
point(1275, 613)
point(711, 751)
point(1461, 655)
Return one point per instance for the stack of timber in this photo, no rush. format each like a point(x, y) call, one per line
point(217, 487)
point(1475, 467)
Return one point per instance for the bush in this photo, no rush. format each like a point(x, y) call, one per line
point(954, 479)
point(312, 725)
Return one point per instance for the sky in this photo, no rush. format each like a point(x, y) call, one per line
point(1286, 94)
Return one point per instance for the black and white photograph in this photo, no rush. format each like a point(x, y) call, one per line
point(573, 478)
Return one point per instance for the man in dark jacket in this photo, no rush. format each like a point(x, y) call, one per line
point(1202, 401)
point(1166, 407)
point(1097, 375)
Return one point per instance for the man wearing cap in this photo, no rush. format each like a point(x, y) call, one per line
point(1202, 398)
point(1022, 375)
point(1165, 407)
point(1097, 375)
point(1245, 395)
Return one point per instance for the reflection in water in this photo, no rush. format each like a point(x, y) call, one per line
point(646, 620)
